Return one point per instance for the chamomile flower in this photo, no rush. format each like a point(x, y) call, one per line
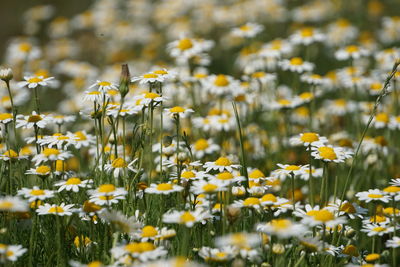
point(376, 230)
point(51, 154)
point(308, 139)
point(221, 164)
point(296, 64)
point(6, 118)
point(103, 86)
point(35, 81)
point(373, 195)
point(59, 210)
point(107, 194)
point(148, 78)
point(352, 210)
point(307, 36)
point(395, 182)
point(269, 200)
point(143, 251)
point(73, 184)
point(248, 30)
point(188, 218)
point(207, 187)
point(41, 170)
point(178, 111)
point(351, 52)
point(13, 204)
point(56, 140)
point(35, 193)
point(287, 170)
point(250, 202)
point(222, 254)
point(82, 139)
point(33, 120)
point(11, 252)
point(203, 147)
point(11, 155)
point(393, 243)
point(315, 172)
point(328, 153)
point(323, 217)
point(94, 96)
point(119, 165)
point(282, 228)
point(163, 188)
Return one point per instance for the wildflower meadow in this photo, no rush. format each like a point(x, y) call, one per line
point(200, 133)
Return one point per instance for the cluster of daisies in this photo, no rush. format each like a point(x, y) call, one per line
point(192, 133)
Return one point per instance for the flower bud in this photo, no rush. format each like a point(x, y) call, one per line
point(125, 81)
point(6, 74)
point(233, 214)
point(278, 248)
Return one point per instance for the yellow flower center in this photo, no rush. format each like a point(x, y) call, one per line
point(164, 187)
point(307, 32)
point(188, 174)
point(35, 80)
point(73, 181)
point(376, 86)
point(80, 136)
point(348, 208)
point(209, 188)
point(11, 154)
point(47, 152)
point(5, 116)
point(94, 264)
point(160, 72)
point(220, 255)
point(56, 209)
point(187, 217)
point(43, 169)
point(280, 224)
point(309, 137)
point(379, 229)
point(256, 174)
point(392, 189)
point(284, 102)
point(382, 117)
point(34, 118)
point(292, 168)
point(107, 188)
point(25, 47)
point(149, 231)
point(222, 161)
point(327, 153)
point(177, 109)
point(150, 76)
point(225, 176)
point(37, 192)
point(221, 80)
point(104, 83)
point(151, 95)
point(251, 201)
point(201, 144)
point(6, 205)
point(258, 74)
point(185, 44)
point(269, 197)
point(297, 61)
point(306, 95)
point(375, 196)
point(119, 163)
point(372, 257)
point(352, 49)
point(323, 216)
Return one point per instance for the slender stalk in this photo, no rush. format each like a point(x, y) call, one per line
point(310, 179)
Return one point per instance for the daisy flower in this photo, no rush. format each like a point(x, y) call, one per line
point(220, 84)
point(82, 139)
point(221, 164)
point(149, 97)
point(307, 36)
point(282, 228)
point(11, 155)
point(163, 188)
point(393, 243)
point(373, 195)
point(107, 194)
point(178, 111)
point(328, 153)
point(296, 64)
point(56, 140)
point(93, 96)
point(322, 217)
point(41, 170)
point(222, 254)
point(308, 139)
point(188, 218)
point(143, 251)
point(13, 204)
point(28, 122)
point(376, 230)
point(316, 173)
point(11, 252)
point(73, 184)
point(104, 86)
point(351, 51)
point(352, 210)
point(34, 81)
point(394, 123)
point(248, 30)
point(287, 170)
point(240, 240)
point(203, 147)
point(51, 154)
point(395, 182)
point(229, 178)
point(59, 210)
point(118, 166)
point(250, 202)
point(35, 193)
point(148, 78)
point(207, 187)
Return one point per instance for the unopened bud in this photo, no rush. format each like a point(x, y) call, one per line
point(182, 156)
point(6, 74)
point(350, 233)
point(233, 214)
point(167, 141)
point(278, 249)
point(125, 81)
